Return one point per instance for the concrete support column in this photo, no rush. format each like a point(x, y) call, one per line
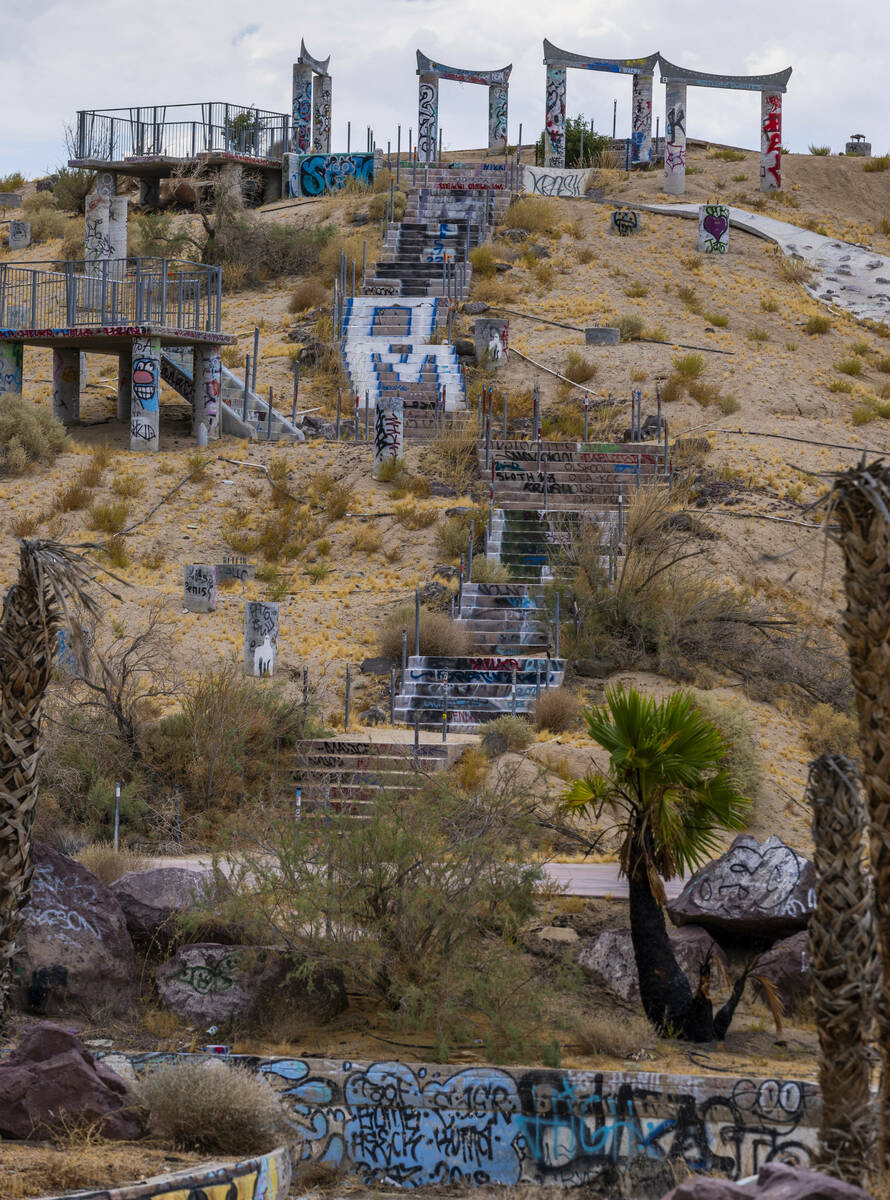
point(770, 141)
point(675, 139)
point(106, 183)
point(208, 385)
point(124, 386)
point(145, 390)
point(497, 118)
point(117, 226)
point(321, 114)
point(555, 118)
point(641, 134)
point(97, 227)
point(427, 118)
point(389, 431)
point(150, 192)
point(66, 386)
point(12, 355)
point(301, 126)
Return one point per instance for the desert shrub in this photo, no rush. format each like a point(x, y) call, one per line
point(534, 214)
point(860, 348)
point(817, 324)
point(378, 206)
point(672, 389)
point(727, 154)
point(768, 304)
point(840, 385)
point(454, 532)
point(311, 293)
point(439, 635)
point(452, 458)
point(689, 298)
point(412, 517)
point(757, 334)
point(72, 188)
point(604, 1031)
point(488, 570)
point(367, 540)
point(154, 235)
point(109, 864)
point(110, 516)
point(883, 365)
point(721, 320)
point(483, 261)
point(28, 435)
point(585, 255)
point(72, 497)
point(849, 366)
point(516, 731)
point(794, 269)
point(637, 290)
point(556, 710)
point(881, 162)
point(689, 366)
point(578, 367)
point(117, 551)
point(12, 182)
point(821, 151)
point(46, 220)
point(744, 757)
point(829, 731)
point(214, 1108)
point(630, 326)
point(127, 486)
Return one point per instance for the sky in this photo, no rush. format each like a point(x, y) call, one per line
point(57, 57)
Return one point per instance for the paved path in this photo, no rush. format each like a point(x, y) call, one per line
point(848, 275)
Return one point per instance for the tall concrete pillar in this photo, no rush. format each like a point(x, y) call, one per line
point(66, 386)
point(97, 227)
point(389, 431)
point(641, 134)
point(124, 386)
point(770, 141)
point(145, 390)
point(427, 118)
point(12, 357)
point(208, 385)
point(106, 183)
point(150, 191)
point(321, 114)
point(497, 118)
point(117, 226)
point(301, 126)
point(675, 139)
point(555, 118)
point(260, 637)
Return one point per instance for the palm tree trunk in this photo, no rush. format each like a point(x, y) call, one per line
point(32, 613)
point(843, 968)
point(861, 503)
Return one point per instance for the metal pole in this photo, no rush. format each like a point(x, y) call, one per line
point(298, 805)
point(417, 622)
point(392, 695)
point(556, 629)
point(367, 416)
point(586, 416)
point(519, 145)
point(117, 816)
point(505, 416)
point(470, 552)
point(445, 711)
point(614, 117)
point(348, 135)
point(513, 692)
point(339, 409)
point(246, 387)
point(355, 437)
point(537, 679)
point(398, 151)
point(658, 403)
point(404, 656)
point(346, 706)
point(296, 392)
point(256, 354)
point(460, 586)
point(305, 696)
point(269, 415)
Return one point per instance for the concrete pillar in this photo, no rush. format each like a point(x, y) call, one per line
point(97, 228)
point(641, 134)
point(389, 431)
point(124, 386)
point(770, 141)
point(150, 192)
point(117, 226)
point(19, 235)
point(208, 385)
point(199, 587)
point(145, 390)
point(301, 127)
point(11, 359)
point(106, 183)
point(675, 139)
point(260, 637)
point(66, 386)
point(497, 118)
point(427, 118)
point(321, 114)
point(713, 228)
point(491, 337)
point(555, 118)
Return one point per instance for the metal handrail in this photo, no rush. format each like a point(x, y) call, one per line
point(216, 127)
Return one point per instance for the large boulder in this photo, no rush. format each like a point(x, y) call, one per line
point(50, 1078)
point(786, 965)
point(776, 1181)
point(611, 956)
point(210, 984)
point(152, 900)
point(75, 948)
point(760, 890)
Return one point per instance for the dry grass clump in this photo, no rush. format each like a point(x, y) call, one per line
point(367, 540)
point(71, 498)
point(109, 516)
point(689, 366)
point(439, 635)
point(707, 394)
point(534, 214)
point(452, 458)
point(630, 326)
point(488, 570)
point(727, 154)
point(849, 366)
point(412, 517)
point(454, 532)
point(578, 367)
point(483, 261)
point(880, 162)
point(832, 732)
point(817, 324)
point(637, 290)
point(28, 435)
point(109, 864)
point(556, 710)
point(757, 334)
point(311, 293)
point(610, 1032)
point(515, 730)
point(793, 270)
point(768, 304)
point(214, 1108)
point(127, 486)
point(338, 501)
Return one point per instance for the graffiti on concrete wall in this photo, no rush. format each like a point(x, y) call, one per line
point(427, 118)
point(199, 587)
point(713, 228)
point(497, 118)
point(19, 235)
point(302, 109)
point(555, 117)
point(145, 386)
point(770, 141)
point(321, 114)
point(389, 431)
point(624, 222)
point(491, 337)
point(555, 181)
point(641, 116)
point(416, 1124)
point(319, 174)
point(260, 637)
point(266, 1178)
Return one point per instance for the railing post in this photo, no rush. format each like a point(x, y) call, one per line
point(348, 697)
point(33, 299)
point(417, 622)
point(164, 292)
point(70, 295)
point(556, 629)
point(138, 298)
point(246, 387)
point(218, 324)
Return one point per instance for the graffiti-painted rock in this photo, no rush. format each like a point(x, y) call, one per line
point(51, 1077)
point(611, 956)
point(152, 900)
point(213, 984)
point(786, 965)
point(75, 946)
point(776, 1181)
point(763, 890)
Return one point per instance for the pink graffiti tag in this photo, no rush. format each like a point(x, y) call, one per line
point(771, 137)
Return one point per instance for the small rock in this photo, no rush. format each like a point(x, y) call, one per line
point(50, 1079)
point(373, 716)
point(475, 307)
point(465, 347)
point(611, 956)
point(558, 933)
point(594, 668)
point(539, 251)
point(446, 570)
point(152, 900)
point(445, 490)
point(502, 268)
point(513, 235)
point(361, 218)
point(434, 594)
point(775, 1181)
point(786, 965)
point(378, 666)
point(458, 510)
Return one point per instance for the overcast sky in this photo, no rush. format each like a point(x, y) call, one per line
point(56, 57)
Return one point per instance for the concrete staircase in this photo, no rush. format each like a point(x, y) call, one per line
point(572, 476)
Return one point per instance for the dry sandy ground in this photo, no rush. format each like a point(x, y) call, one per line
point(39, 1170)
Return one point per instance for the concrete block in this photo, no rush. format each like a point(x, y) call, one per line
point(602, 335)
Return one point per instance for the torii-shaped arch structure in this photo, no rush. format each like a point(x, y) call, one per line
point(771, 88)
point(311, 128)
point(430, 73)
point(557, 61)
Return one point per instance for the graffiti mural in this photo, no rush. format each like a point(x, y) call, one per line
point(19, 235)
point(145, 387)
point(555, 181)
point(266, 1178)
point(497, 118)
point(492, 338)
point(207, 388)
point(770, 141)
point(624, 222)
point(641, 116)
point(66, 385)
point(199, 586)
point(321, 114)
point(555, 117)
point(427, 118)
point(713, 228)
point(301, 132)
point(675, 138)
point(12, 357)
point(97, 228)
point(260, 637)
point(318, 174)
point(389, 431)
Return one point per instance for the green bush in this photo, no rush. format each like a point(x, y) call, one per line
point(630, 326)
point(880, 162)
point(72, 189)
point(818, 324)
point(689, 366)
point(728, 155)
point(28, 435)
point(516, 731)
point(12, 182)
point(821, 151)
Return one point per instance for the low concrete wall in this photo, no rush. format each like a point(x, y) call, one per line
point(264, 1178)
point(418, 1123)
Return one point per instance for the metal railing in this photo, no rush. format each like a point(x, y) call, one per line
point(172, 293)
point(116, 134)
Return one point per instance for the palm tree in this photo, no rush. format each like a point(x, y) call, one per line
point(672, 800)
point(843, 967)
point(50, 576)
point(860, 501)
